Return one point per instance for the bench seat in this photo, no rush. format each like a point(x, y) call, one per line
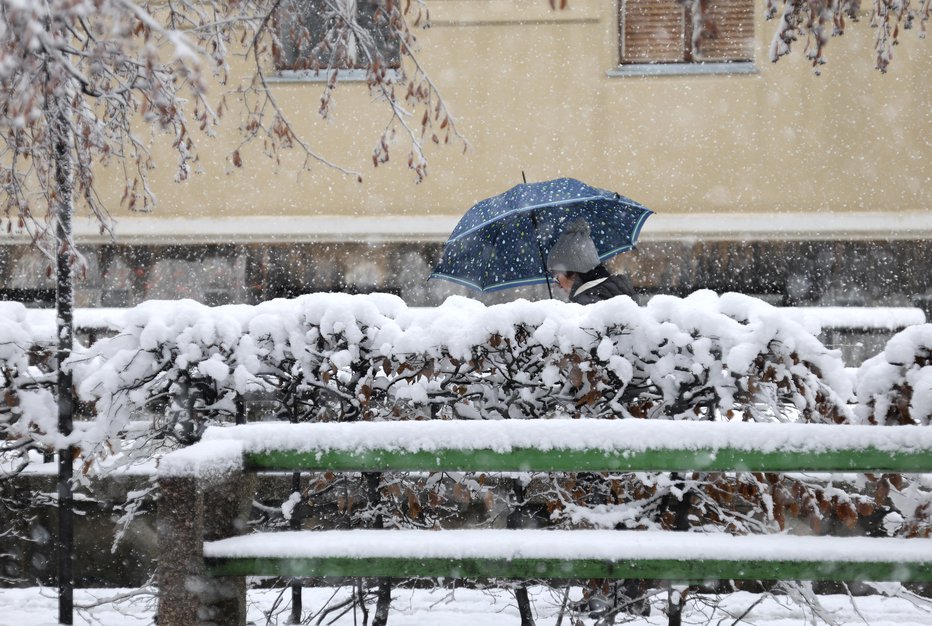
point(529, 554)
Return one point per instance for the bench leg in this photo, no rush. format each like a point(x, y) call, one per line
point(187, 596)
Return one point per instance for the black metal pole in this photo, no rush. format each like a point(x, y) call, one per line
point(64, 299)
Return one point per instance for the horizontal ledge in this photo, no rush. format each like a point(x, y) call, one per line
point(855, 319)
point(466, 23)
point(312, 76)
point(534, 460)
point(683, 69)
point(795, 226)
point(264, 229)
point(801, 226)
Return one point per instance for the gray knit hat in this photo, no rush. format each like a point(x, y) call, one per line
point(574, 250)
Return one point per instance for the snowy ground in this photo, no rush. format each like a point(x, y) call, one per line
point(466, 607)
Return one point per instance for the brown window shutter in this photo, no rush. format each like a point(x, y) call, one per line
point(733, 36)
point(652, 31)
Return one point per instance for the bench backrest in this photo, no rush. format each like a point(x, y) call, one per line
point(571, 446)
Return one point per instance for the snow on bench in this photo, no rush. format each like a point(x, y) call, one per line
point(205, 496)
point(523, 554)
point(561, 445)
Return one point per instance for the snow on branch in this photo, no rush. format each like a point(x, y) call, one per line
point(28, 411)
point(895, 387)
point(814, 21)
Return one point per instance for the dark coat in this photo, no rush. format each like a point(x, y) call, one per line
point(608, 286)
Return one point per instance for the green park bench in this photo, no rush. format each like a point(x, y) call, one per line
point(204, 556)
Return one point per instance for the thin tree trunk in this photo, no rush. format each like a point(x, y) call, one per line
point(384, 594)
point(675, 601)
point(524, 606)
point(676, 598)
point(60, 127)
point(383, 602)
point(516, 520)
point(297, 604)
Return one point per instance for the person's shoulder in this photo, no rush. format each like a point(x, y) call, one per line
point(619, 284)
point(588, 297)
point(615, 285)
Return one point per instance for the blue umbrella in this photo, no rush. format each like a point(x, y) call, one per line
point(503, 241)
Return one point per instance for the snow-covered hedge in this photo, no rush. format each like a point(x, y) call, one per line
point(341, 357)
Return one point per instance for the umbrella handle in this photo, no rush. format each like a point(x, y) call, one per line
point(540, 248)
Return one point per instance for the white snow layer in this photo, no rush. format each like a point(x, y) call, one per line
point(205, 459)
point(467, 607)
point(816, 318)
point(569, 434)
point(567, 545)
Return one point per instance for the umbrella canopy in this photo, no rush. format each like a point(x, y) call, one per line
point(503, 241)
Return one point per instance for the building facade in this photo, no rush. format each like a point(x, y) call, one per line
point(765, 178)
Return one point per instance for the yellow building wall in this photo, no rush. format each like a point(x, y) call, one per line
point(531, 92)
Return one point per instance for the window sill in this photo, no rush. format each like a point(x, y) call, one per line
point(314, 76)
point(683, 69)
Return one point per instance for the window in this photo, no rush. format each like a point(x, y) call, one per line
point(315, 35)
point(661, 31)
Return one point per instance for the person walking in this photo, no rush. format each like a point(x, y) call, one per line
point(575, 265)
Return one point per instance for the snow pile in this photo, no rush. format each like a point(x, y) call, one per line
point(103, 319)
point(730, 363)
point(207, 460)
